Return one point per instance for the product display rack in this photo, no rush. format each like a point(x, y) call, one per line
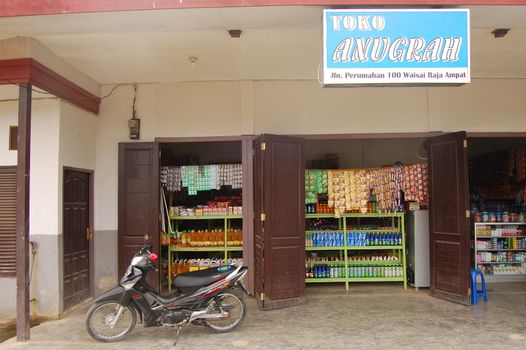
point(226, 249)
point(397, 226)
point(496, 236)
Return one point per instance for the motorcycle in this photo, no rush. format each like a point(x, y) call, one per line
point(211, 297)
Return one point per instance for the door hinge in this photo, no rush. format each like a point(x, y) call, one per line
point(263, 146)
point(262, 296)
point(263, 216)
point(465, 143)
point(468, 214)
point(89, 234)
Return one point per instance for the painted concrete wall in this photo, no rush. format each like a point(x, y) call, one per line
point(8, 117)
point(44, 196)
point(366, 153)
point(293, 107)
point(77, 150)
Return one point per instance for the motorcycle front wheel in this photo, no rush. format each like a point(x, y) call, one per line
point(100, 317)
point(231, 302)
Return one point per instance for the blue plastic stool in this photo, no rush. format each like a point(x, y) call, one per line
point(475, 292)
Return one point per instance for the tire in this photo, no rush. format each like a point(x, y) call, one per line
point(99, 315)
point(234, 300)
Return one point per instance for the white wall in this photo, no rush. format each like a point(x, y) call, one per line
point(44, 200)
point(366, 153)
point(295, 107)
point(77, 143)
point(165, 110)
point(8, 117)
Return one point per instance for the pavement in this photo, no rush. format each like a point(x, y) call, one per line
point(372, 316)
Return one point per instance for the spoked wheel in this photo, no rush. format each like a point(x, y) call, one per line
point(232, 303)
point(102, 324)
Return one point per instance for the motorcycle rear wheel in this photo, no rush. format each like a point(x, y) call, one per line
point(100, 316)
point(232, 302)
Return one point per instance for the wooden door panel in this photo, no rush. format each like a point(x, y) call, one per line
point(450, 251)
point(259, 240)
point(76, 246)
point(281, 236)
point(447, 267)
point(138, 202)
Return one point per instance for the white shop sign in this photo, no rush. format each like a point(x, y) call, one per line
point(396, 47)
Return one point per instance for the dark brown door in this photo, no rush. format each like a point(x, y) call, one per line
point(279, 197)
point(138, 202)
point(450, 246)
point(76, 237)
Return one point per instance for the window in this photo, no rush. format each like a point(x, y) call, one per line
point(7, 221)
point(13, 138)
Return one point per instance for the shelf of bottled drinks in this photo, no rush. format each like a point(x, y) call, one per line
point(355, 247)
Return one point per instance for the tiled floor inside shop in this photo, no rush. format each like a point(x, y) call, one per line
point(379, 316)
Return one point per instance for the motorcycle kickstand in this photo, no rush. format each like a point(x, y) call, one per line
point(177, 335)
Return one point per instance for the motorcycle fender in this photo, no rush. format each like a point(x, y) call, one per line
point(117, 293)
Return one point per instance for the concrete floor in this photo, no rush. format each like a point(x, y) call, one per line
point(368, 317)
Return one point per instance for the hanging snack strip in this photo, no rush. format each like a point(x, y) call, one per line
point(415, 184)
point(359, 190)
point(348, 190)
point(201, 177)
point(316, 182)
point(379, 182)
point(171, 178)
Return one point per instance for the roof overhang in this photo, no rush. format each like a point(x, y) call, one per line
point(24, 60)
point(44, 7)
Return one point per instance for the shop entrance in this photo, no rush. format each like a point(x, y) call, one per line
point(358, 190)
point(497, 181)
point(203, 205)
point(463, 186)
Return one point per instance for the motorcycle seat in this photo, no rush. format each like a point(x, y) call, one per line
point(202, 277)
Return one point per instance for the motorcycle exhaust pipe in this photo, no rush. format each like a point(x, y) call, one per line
point(204, 314)
point(213, 316)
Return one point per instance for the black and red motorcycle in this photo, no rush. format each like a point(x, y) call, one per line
point(211, 297)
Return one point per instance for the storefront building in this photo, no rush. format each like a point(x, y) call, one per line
point(199, 91)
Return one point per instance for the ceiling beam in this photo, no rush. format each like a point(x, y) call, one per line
point(15, 8)
point(29, 71)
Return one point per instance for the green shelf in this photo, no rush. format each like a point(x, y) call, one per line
point(197, 249)
point(234, 249)
point(397, 226)
point(206, 217)
point(373, 263)
point(224, 249)
point(354, 215)
point(373, 215)
point(374, 231)
point(377, 279)
point(324, 280)
point(375, 247)
point(320, 216)
point(312, 263)
point(324, 248)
